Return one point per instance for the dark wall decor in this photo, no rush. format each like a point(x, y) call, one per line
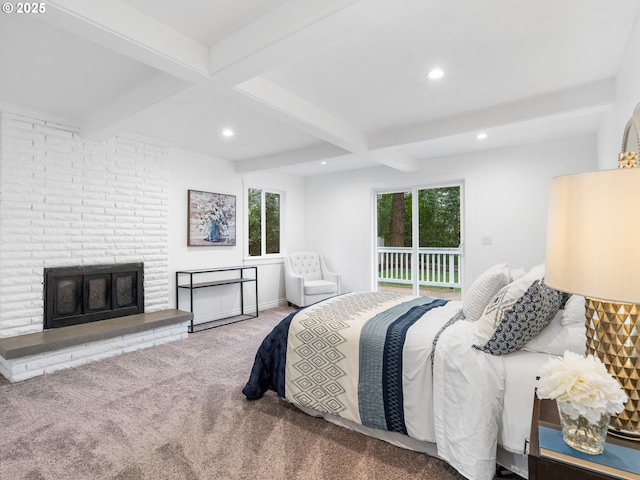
point(211, 219)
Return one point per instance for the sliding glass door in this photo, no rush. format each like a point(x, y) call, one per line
point(418, 241)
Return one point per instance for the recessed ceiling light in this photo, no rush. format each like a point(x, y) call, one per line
point(227, 132)
point(435, 74)
point(324, 162)
point(481, 136)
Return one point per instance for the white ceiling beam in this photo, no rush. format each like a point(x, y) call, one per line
point(291, 30)
point(278, 37)
point(282, 35)
point(397, 160)
point(585, 98)
point(282, 104)
point(181, 61)
point(142, 104)
point(125, 30)
point(304, 155)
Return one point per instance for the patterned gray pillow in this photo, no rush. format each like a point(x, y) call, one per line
point(525, 319)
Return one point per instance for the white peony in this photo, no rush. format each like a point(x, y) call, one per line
point(584, 383)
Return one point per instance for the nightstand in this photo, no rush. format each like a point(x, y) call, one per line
point(542, 468)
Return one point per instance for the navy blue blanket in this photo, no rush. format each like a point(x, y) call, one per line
point(268, 368)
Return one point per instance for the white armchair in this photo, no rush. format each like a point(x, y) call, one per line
point(307, 279)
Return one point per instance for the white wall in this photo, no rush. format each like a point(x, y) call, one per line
point(189, 170)
point(505, 197)
point(627, 97)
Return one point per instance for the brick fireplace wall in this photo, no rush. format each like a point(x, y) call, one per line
point(67, 201)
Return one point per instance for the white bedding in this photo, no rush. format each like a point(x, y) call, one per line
point(473, 409)
point(341, 395)
point(481, 401)
point(461, 408)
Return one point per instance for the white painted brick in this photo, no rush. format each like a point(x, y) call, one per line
point(43, 361)
point(52, 211)
point(64, 365)
point(22, 330)
point(62, 257)
point(21, 369)
point(120, 187)
point(7, 324)
point(18, 297)
point(26, 253)
point(66, 198)
point(11, 277)
point(156, 334)
point(139, 346)
point(4, 371)
point(17, 262)
point(16, 366)
point(55, 131)
point(45, 238)
point(61, 126)
point(105, 355)
point(25, 376)
point(19, 122)
point(53, 144)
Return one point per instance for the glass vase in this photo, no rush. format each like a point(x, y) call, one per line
point(579, 433)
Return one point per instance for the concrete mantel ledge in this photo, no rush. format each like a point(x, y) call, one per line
point(58, 338)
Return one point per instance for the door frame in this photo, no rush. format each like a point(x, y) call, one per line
point(414, 189)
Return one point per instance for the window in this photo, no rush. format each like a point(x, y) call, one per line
point(264, 222)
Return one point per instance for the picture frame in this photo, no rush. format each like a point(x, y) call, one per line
point(211, 219)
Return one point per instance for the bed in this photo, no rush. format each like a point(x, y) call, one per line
point(448, 379)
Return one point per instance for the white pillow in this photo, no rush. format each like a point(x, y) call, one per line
point(502, 302)
point(483, 289)
point(574, 311)
point(517, 273)
point(556, 338)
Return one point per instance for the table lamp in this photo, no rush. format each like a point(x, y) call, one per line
point(593, 249)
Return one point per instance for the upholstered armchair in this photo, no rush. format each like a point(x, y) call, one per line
point(307, 279)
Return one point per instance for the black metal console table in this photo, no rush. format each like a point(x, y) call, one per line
point(204, 279)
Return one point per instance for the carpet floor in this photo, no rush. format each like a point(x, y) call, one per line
point(176, 411)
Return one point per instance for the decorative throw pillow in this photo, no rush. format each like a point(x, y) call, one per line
point(524, 320)
point(574, 311)
point(502, 302)
point(483, 289)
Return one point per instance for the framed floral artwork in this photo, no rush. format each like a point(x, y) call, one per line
point(211, 219)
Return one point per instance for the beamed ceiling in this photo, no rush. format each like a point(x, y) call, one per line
point(303, 82)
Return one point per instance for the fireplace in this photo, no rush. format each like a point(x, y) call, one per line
point(83, 294)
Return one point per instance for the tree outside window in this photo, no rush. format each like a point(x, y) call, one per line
point(264, 222)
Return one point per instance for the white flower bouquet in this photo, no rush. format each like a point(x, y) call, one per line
point(586, 395)
point(584, 384)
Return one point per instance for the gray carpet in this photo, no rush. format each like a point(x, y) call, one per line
point(176, 411)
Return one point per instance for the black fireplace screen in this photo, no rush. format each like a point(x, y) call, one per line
point(83, 294)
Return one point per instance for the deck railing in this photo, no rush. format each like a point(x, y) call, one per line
point(437, 267)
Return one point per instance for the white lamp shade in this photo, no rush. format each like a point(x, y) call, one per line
point(593, 235)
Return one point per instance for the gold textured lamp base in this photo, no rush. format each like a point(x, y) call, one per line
point(628, 160)
point(612, 335)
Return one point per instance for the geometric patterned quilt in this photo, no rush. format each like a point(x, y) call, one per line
point(344, 356)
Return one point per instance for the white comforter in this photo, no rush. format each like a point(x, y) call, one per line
point(473, 409)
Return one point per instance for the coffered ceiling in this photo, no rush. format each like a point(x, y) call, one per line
point(309, 86)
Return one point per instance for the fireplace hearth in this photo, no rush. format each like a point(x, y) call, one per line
point(83, 294)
